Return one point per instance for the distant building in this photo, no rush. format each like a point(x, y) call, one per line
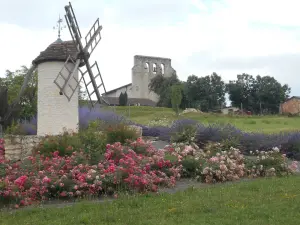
point(291, 106)
point(144, 70)
point(229, 110)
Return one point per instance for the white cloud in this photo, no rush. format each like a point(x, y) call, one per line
point(198, 43)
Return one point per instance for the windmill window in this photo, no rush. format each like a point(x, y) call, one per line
point(154, 68)
point(162, 68)
point(147, 67)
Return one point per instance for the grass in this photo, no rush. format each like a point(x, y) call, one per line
point(263, 201)
point(267, 124)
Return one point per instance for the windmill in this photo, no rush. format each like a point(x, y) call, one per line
point(54, 112)
point(84, 52)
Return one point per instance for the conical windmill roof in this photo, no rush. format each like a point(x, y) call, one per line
point(57, 51)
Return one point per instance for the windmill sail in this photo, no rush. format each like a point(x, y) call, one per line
point(92, 39)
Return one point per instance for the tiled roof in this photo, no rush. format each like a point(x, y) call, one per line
point(131, 101)
point(57, 51)
point(111, 91)
point(296, 97)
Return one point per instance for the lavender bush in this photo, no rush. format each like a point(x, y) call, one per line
point(248, 141)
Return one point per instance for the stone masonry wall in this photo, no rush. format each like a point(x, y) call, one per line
point(18, 147)
point(291, 107)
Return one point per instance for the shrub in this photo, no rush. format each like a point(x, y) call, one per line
point(64, 143)
point(120, 133)
point(93, 141)
point(185, 134)
point(215, 164)
point(40, 178)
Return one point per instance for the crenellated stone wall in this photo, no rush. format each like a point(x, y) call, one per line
point(18, 146)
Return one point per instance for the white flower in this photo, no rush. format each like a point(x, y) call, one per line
point(97, 177)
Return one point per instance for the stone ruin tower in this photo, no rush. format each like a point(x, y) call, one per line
point(55, 112)
point(145, 68)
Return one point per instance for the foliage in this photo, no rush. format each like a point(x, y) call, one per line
point(259, 95)
point(27, 107)
point(123, 99)
point(93, 141)
point(39, 178)
point(184, 134)
point(176, 97)
point(270, 162)
point(2, 149)
point(162, 87)
point(119, 133)
point(215, 164)
point(64, 144)
point(206, 93)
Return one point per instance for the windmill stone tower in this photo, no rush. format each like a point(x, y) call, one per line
point(55, 112)
point(58, 77)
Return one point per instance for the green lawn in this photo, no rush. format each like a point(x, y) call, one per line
point(263, 201)
point(268, 124)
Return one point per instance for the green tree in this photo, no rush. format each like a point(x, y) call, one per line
point(206, 93)
point(260, 94)
point(125, 98)
point(162, 87)
point(122, 99)
point(176, 97)
point(242, 91)
point(27, 106)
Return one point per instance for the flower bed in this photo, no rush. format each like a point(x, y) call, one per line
point(133, 167)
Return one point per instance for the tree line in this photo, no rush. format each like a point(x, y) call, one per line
point(260, 94)
point(257, 94)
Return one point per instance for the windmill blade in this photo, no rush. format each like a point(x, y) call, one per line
point(73, 26)
point(96, 82)
point(24, 85)
point(64, 77)
point(93, 37)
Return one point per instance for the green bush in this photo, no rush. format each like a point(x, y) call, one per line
point(186, 134)
point(120, 133)
point(190, 167)
point(64, 143)
point(93, 142)
point(14, 129)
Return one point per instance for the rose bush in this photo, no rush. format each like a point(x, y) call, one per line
point(215, 163)
point(135, 166)
point(41, 177)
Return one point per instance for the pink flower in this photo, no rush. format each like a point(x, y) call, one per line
point(214, 159)
point(21, 181)
point(46, 180)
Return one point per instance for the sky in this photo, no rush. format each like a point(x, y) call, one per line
point(229, 37)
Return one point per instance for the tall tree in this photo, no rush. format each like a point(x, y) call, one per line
point(122, 99)
point(262, 94)
point(176, 97)
point(241, 91)
point(206, 93)
point(162, 87)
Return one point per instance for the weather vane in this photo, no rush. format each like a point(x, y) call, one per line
point(59, 26)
